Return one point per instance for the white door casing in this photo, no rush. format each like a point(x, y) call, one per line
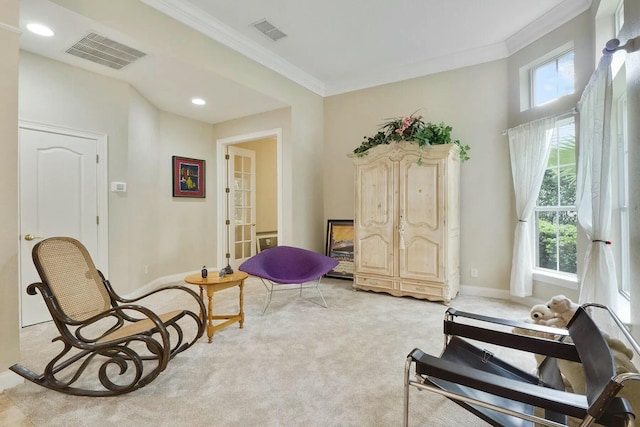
point(62, 193)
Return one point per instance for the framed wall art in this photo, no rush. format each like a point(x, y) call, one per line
point(188, 177)
point(340, 247)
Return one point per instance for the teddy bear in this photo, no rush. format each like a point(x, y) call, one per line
point(563, 309)
point(540, 313)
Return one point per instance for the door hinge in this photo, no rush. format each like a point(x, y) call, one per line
point(227, 222)
point(227, 157)
point(227, 190)
point(97, 158)
point(97, 220)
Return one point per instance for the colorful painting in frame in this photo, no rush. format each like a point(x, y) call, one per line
point(340, 247)
point(188, 177)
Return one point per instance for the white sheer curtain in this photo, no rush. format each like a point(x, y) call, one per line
point(529, 147)
point(593, 199)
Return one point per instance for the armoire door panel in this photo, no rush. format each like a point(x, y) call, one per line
point(421, 259)
point(376, 204)
point(419, 200)
point(375, 255)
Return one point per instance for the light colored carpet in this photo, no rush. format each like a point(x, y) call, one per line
point(298, 365)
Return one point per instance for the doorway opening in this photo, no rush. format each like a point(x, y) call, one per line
point(237, 238)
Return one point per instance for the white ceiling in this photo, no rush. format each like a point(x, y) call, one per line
point(332, 46)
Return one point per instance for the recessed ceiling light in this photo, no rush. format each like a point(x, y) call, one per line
point(198, 101)
point(39, 29)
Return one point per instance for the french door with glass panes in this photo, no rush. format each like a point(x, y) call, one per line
point(241, 202)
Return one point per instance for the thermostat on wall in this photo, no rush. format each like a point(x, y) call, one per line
point(119, 187)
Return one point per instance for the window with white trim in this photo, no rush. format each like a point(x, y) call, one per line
point(555, 211)
point(552, 79)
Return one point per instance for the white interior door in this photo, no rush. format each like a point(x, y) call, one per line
point(58, 197)
point(241, 204)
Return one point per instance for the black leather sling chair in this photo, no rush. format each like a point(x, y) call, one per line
point(502, 394)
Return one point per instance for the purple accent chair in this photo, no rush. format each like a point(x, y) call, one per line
point(282, 266)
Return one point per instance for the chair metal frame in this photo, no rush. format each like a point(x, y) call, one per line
point(273, 286)
point(100, 330)
point(504, 395)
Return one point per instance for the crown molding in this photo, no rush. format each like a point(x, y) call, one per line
point(548, 22)
point(10, 28)
point(195, 18)
point(206, 24)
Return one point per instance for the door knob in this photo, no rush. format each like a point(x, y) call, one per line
point(30, 237)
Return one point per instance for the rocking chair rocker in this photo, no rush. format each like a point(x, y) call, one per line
point(126, 345)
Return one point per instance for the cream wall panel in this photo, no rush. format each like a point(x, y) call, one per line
point(189, 234)
point(473, 101)
point(9, 328)
point(143, 165)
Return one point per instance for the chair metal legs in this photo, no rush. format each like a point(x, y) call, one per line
point(273, 287)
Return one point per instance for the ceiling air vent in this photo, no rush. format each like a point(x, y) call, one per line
point(266, 28)
point(101, 50)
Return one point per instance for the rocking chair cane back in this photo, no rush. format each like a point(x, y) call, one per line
point(125, 344)
point(502, 394)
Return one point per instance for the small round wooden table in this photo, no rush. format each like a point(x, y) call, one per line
point(214, 283)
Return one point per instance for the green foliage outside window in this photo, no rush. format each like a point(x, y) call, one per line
point(555, 208)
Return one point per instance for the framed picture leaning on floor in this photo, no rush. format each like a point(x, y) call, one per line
point(340, 247)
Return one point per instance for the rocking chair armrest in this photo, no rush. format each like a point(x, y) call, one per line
point(118, 312)
point(536, 395)
point(164, 288)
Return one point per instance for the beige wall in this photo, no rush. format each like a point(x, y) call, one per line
point(9, 233)
point(473, 101)
point(266, 183)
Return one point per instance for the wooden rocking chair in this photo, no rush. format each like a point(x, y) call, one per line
point(125, 344)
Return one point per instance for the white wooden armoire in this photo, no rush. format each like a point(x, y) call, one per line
point(407, 221)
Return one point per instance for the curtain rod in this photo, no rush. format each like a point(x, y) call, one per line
point(571, 112)
point(613, 45)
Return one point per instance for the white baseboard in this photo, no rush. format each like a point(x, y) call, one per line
point(480, 291)
point(503, 294)
point(163, 281)
point(9, 379)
